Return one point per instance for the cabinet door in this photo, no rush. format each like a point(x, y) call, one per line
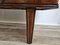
point(20, 1)
point(48, 1)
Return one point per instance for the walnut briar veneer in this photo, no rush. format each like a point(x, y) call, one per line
point(30, 6)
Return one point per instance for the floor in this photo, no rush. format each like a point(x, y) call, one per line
point(18, 37)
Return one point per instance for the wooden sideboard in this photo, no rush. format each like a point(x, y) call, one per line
point(30, 6)
point(23, 4)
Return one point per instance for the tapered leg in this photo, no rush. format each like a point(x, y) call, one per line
point(30, 16)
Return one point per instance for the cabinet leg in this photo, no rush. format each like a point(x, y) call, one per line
point(30, 16)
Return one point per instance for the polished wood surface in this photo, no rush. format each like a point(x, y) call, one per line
point(23, 4)
point(30, 6)
point(32, 1)
point(48, 2)
point(20, 1)
point(30, 16)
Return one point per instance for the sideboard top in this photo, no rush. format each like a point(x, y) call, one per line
point(23, 4)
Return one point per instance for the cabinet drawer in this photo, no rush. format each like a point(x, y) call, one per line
point(20, 1)
point(48, 1)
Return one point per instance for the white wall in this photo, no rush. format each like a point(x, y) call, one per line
point(12, 15)
point(46, 17)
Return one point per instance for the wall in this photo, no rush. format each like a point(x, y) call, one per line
point(46, 17)
point(12, 15)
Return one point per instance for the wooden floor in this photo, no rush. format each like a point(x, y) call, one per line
point(18, 37)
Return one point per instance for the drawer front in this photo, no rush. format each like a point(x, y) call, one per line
point(20, 1)
point(48, 1)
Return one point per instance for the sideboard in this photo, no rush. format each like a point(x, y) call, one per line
point(30, 6)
